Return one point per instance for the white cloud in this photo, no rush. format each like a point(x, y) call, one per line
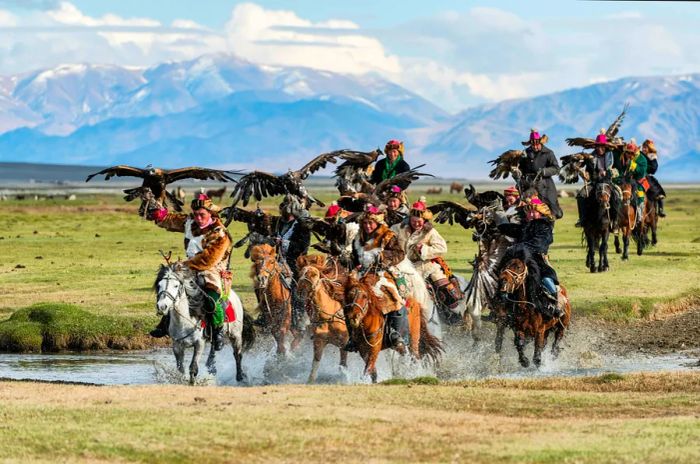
point(279, 37)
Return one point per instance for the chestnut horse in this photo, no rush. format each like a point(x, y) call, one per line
point(363, 311)
point(526, 320)
point(648, 223)
point(626, 219)
point(326, 314)
point(275, 296)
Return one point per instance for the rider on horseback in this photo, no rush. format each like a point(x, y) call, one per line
point(375, 249)
point(396, 208)
point(656, 192)
point(535, 236)
point(631, 169)
point(511, 198)
point(596, 169)
point(207, 246)
point(535, 170)
point(425, 248)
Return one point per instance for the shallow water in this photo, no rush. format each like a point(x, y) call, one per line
point(582, 355)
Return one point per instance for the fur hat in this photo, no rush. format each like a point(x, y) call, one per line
point(394, 144)
point(419, 209)
point(512, 191)
point(202, 201)
point(631, 147)
point(535, 137)
point(534, 203)
point(372, 213)
point(649, 145)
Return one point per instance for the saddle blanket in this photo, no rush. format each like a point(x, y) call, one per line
point(229, 314)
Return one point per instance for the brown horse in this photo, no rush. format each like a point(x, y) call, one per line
point(434, 190)
point(626, 219)
point(275, 295)
point(456, 187)
point(326, 315)
point(527, 321)
point(364, 313)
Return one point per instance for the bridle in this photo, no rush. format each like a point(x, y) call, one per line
point(515, 278)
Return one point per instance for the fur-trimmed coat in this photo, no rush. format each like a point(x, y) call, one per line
point(532, 163)
point(207, 249)
point(380, 248)
point(433, 245)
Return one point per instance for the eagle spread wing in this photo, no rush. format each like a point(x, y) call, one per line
point(451, 212)
point(120, 171)
point(505, 164)
point(614, 128)
point(318, 163)
point(194, 172)
point(258, 184)
point(352, 175)
point(404, 179)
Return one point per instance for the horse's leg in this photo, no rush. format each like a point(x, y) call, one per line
point(625, 245)
point(617, 244)
point(500, 331)
point(654, 224)
point(520, 346)
point(590, 252)
point(319, 345)
point(179, 352)
point(603, 251)
point(196, 356)
point(236, 337)
point(540, 341)
point(211, 360)
point(371, 361)
point(558, 335)
point(641, 237)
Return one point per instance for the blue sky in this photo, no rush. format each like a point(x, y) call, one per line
point(455, 53)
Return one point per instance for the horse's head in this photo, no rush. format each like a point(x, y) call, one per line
point(626, 193)
point(513, 276)
point(357, 300)
point(602, 194)
point(169, 287)
point(263, 257)
point(309, 280)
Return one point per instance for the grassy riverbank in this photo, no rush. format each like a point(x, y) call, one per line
point(632, 418)
point(97, 255)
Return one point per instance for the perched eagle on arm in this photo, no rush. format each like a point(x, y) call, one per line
point(156, 180)
point(572, 166)
point(505, 164)
point(259, 184)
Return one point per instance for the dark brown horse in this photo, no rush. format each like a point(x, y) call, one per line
point(648, 222)
point(526, 320)
point(456, 187)
point(216, 193)
point(365, 310)
point(600, 215)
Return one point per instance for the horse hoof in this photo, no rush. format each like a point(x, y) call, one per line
point(593, 270)
point(524, 362)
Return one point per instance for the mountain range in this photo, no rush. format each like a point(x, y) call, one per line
point(221, 111)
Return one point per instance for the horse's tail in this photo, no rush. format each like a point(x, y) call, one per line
point(430, 345)
point(248, 331)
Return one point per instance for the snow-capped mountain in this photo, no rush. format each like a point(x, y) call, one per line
point(664, 109)
point(218, 110)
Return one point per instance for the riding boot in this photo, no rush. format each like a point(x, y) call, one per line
point(215, 317)
point(551, 293)
point(660, 207)
point(161, 329)
point(398, 329)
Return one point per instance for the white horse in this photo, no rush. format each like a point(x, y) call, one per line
point(180, 296)
point(469, 304)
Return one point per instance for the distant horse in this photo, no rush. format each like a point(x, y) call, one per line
point(600, 215)
point(179, 295)
point(275, 295)
point(326, 315)
point(364, 313)
point(526, 320)
point(434, 190)
point(627, 219)
point(456, 187)
point(216, 193)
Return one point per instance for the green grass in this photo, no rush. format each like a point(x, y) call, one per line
point(96, 253)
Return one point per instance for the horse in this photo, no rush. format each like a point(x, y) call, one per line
point(526, 320)
point(179, 295)
point(627, 220)
point(326, 315)
point(464, 312)
point(216, 193)
point(599, 218)
point(648, 222)
point(434, 190)
point(363, 311)
point(456, 187)
point(275, 295)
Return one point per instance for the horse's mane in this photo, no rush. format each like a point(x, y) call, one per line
point(374, 300)
point(161, 274)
